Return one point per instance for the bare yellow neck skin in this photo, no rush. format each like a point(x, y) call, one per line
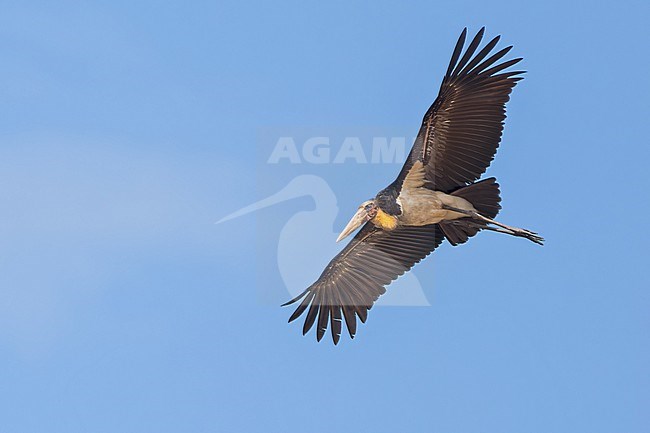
point(384, 221)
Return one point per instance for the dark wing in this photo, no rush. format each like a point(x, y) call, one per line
point(461, 131)
point(356, 277)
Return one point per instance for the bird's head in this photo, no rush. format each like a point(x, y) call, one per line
point(366, 212)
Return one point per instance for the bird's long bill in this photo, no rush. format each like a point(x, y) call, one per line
point(356, 221)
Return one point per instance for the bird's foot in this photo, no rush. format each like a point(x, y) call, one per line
point(531, 236)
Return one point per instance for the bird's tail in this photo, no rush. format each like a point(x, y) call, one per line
point(484, 196)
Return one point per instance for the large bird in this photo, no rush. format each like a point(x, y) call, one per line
point(436, 196)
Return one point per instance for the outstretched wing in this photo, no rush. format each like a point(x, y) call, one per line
point(357, 276)
point(461, 131)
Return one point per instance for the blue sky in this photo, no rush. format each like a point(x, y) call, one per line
point(128, 129)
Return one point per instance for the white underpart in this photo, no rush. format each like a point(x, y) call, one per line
point(422, 206)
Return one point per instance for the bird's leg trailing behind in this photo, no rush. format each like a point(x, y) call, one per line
point(501, 228)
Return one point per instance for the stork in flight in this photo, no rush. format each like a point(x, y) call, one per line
point(436, 196)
